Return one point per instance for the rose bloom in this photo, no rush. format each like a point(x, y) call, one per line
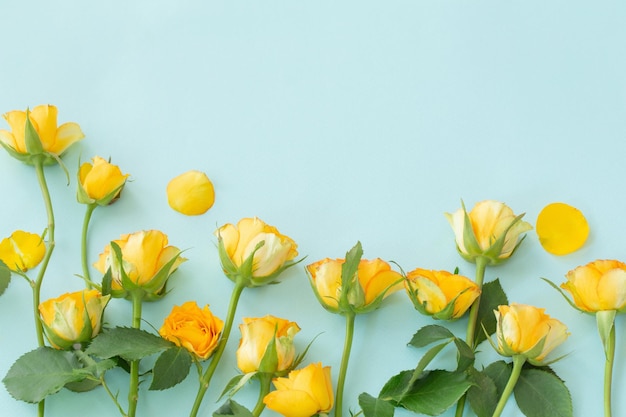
point(441, 294)
point(240, 241)
point(304, 393)
point(194, 328)
point(490, 222)
point(191, 193)
point(73, 317)
point(99, 182)
point(22, 251)
point(375, 277)
point(147, 259)
point(256, 335)
point(527, 330)
point(598, 286)
point(54, 140)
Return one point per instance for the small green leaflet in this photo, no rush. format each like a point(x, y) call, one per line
point(5, 277)
point(170, 368)
point(375, 407)
point(231, 408)
point(128, 343)
point(539, 392)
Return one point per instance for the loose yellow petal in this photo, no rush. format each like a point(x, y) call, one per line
point(562, 229)
point(191, 193)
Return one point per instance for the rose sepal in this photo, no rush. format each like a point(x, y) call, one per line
point(605, 320)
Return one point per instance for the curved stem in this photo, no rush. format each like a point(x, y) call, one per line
point(83, 246)
point(265, 381)
point(205, 380)
point(345, 357)
point(518, 362)
point(481, 265)
point(133, 389)
point(608, 372)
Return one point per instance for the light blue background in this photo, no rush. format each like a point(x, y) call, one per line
point(335, 122)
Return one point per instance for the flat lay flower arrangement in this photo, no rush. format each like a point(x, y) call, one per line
point(78, 349)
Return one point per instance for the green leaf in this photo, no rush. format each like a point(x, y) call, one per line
point(40, 373)
point(231, 408)
point(128, 343)
point(541, 393)
point(466, 355)
point(236, 383)
point(483, 394)
point(430, 334)
point(5, 277)
point(436, 392)
point(375, 407)
point(492, 296)
point(499, 372)
point(170, 368)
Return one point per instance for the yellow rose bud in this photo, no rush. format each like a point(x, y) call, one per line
point(598, 286)
point(73, 318)
point(22, 251)
point(254, 250)
point(49, 138)
point(304, 393)
point(490, 230)
point(194, 328)
point(441, 294)
point(257, 335)
point(375, 281)
point(147, 262)
point(527, 331)
point(99, 182)
point(191, 193)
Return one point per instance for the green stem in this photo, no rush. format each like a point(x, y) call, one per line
point(83, 246)
point(518, 362)
point(133, 389)
point(36, 285)
point(481, 265)
point(205, 379)
point(345, 357)
point(608, 372)
point(265, 381)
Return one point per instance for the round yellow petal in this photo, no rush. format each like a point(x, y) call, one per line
point(561, 228)
point(191, 193)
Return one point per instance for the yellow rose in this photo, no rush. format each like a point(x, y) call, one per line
point(51, 139)
point(490, 230)
point(73, 317)
point(255, 251)
point(527, 331)
point(146, 263)
point(191, 193)
point(257, 334)
point(99, 182)
point(22, 251)
point(375, 281)
point(598, 286)
point(194, 328)
point(440, 294)
point(304, 393)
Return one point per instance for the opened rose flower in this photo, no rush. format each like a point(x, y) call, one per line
point(22, 250)
point(440, 294)
point(303, 393)
point(73, 318)
point(194, 328)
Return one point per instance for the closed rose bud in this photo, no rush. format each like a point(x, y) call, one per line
point(147, 262)
point(374, 281)
point(490, 230)
point(598, 286)
point(255, 251)
point(191, 193)
point(45, 137)
point(260, 334)
point(99, 182)
point(22, 251)
point(440, 294)
point(73, 318)
point(527, 331)
point(303, 393)
point(194, 328)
